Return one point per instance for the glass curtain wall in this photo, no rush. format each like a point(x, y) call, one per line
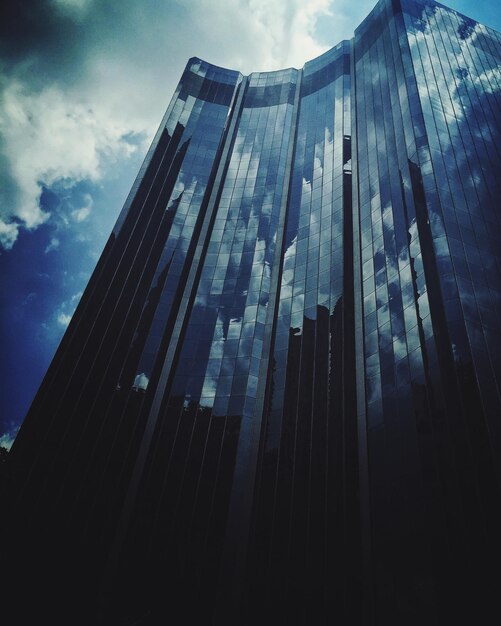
point(427, 149)
point(210, 398)
point(308, 449)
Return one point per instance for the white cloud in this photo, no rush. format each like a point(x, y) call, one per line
point(8, 234)
point(64, 319)
point(303, 45)
point(81, 214)
point(7, 439)
point(140, 382)
point(255, 35)
point(50, 136)
point(53, 245)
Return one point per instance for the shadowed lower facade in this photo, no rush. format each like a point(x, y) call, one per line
point(278, 401)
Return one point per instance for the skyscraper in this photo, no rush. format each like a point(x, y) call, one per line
point(279, 398)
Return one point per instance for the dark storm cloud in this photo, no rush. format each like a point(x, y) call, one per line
point(52, 40)
point(34, 26)
point(66, 64)
point(39, 43)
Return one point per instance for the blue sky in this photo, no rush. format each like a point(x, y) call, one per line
point(84, 84)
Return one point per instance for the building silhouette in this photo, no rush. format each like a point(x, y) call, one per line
point(278, 401)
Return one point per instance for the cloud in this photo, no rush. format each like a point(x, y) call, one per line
point(64, 319)
point(8, 234)
point(81, 214)
point(77, 96)
point(75, 8)
point(7, 439)
point(53, 245)
point(52, 136)
point(67, 309)
point(257, 35)
point(140, 382)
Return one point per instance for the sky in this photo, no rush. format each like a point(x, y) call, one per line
point(83, 87)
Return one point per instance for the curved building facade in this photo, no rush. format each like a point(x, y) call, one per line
point(278, 401)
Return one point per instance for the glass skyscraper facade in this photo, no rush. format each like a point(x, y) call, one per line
point(278, 401)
